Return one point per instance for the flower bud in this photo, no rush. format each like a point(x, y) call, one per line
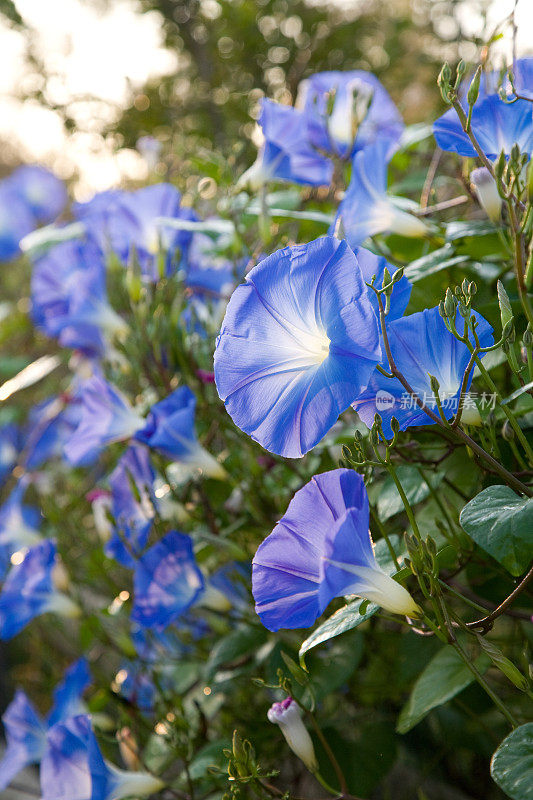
point(288, 716)
point(487, 193)
point(473, 90)
point(450, 304)
point(129, 749)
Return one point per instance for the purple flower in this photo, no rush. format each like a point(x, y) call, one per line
point(29, 591)
point(69, 298)
point(298, 344)
point(167, 581)
point(497, 126)
point(73, 767)
point(26, 731)
point(366, 208)
point(44, 194)
point(10, 446)
point(373, 265)
point(105, 417)
point(127, 221)
point(19, 524)
point(286, 153)
point(319, 550)
point(169, 429)
point(347, 111)
point(16, 221)
point(132, 504)
point(421, 346)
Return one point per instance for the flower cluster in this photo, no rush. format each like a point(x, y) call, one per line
point(159, 312)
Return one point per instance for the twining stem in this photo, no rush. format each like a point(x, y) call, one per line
point(449, 626)
point(509, 478)
point(334, 763)
point(485, 623)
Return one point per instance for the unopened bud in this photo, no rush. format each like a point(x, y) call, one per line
point(473, 91)
point(487, 193)
point(450, 303)
point(443, 82)
point(288, 716)
point(500, 165)
point(129, 749)
point(506, 311)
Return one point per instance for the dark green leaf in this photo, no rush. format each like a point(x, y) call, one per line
point(444, 677)
point(512, 763)
point(414, 486)
point(240, 643)
point(501, 522)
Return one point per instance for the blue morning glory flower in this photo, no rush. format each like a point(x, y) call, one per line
point(132, 504)
point(42, 191)
point(150, 149)
point(73, 767)
point(169, 428)
point(25, 735)
point(523, 77)
point(373, 265)
point(69, 298)
point(105, 417)
point(26, 731)
point(286, 153)
point(497, 126)
point(135, 684)
point(127, 221)
point(29, 591)
point(68, 693)
point(50, 425)
point(361, 111)
point(19, 524)
point(16, 221)
point(420, 345)
point(319, 550)
point(10, 446)
point(366, 208)
point(298, 344)
point(167, 581)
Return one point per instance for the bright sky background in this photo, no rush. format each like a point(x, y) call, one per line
point(108, 56)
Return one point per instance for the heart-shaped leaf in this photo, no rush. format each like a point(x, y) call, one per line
point(501, 522)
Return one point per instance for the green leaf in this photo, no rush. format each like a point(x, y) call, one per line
point(502, 663)
point(240, 643)
point(444, 677)
point(443, 258)
point(415, 487)
point(512, 763)
point(345, 619)
point(501, 522)
point(462, 230)
point(299, 674)
point(210, 756)
point(349, 617)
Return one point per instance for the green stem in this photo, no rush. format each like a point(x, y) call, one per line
point(507, 411)
point(405, 501)
point(385, 535)
point(483, 683)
